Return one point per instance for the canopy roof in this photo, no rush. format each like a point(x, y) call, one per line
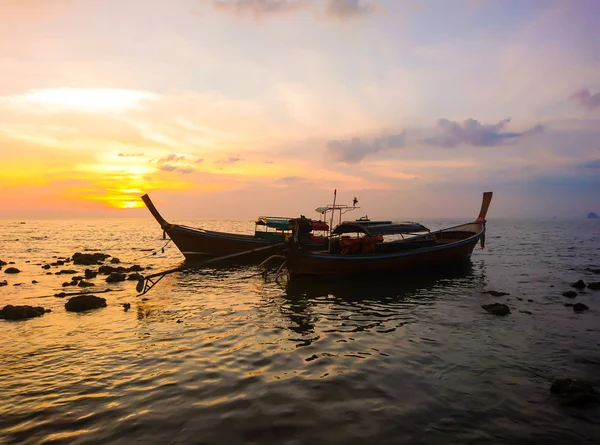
point(275, 222)
point(379, 228)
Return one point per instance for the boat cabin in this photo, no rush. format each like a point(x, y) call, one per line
point(279, 229)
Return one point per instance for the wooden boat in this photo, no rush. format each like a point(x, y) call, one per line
point(198, 243)
point(368, 253)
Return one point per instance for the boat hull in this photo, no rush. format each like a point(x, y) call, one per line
point(452, 253)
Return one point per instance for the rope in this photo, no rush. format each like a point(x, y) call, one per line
point(154, 251)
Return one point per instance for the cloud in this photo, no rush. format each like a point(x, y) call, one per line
point(590, 164)
point(129, 155)
point(344, 9)
point(352, 151)
point(166, 164)
point(291, 179)
point(199, 160)
point(471, 132)
point(586, 100)
point(229, 161)
point(259, 8)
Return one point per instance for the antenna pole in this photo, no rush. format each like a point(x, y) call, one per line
point(333, 210)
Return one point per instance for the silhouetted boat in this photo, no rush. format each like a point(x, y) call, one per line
point(196, 243)
point(367, 253)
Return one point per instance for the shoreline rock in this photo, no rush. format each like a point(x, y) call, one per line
point(496, 308)
point(83, 303)
point(12, 270)
point(10, 312)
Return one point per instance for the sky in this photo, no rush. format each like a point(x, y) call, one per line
point(240, 108)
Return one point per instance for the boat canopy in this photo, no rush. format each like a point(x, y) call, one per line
point(379, 228)
point(278, 223)
point(320, 225)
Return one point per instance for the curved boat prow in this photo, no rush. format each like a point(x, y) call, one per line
point(163, 223)
point(485, 205)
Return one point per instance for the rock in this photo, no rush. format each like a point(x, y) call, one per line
point(89, 259)
point(145, 299)
point(115, 260)
point(594, 286)
point(46, 266)
point(135, 268)
point(3, 263)
point(12, 270)
point(596, 271)
point(107, 270)
point(60, 295)
point(519, 298)
point(66, 272)
point(573, 392)
point(525, 312)
point(494, 293)
point(85, 284)
point(569, 294)
point(82, 303)
point(580, 307)
point(3, 283)
point(578, 284)
point(115, 276)
point(569, 304)
point(11, 262)
point(529, 300)
point(69, 283)
point(126, 306)
point(77, 278)
point(496, 308)
point(17, 284)
point(11, 312)
point(89, 273)
point(592, 215)
point(135, 277)
point(34, 282)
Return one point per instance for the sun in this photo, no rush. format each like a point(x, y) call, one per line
point(87, 99)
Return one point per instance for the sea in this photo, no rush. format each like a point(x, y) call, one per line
point(228, 356)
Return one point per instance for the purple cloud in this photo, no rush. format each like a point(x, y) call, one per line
point(590, 164)
point(166, 164)
point(229, 161)
point(128, 155)
point(259, 8)
point(354, 150)
point(471, 132)
point(586, 100)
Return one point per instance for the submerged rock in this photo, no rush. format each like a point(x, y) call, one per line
point(126, 306)
point(107, 270)
point(66, 272)
point(89, 259)
point(569, 294)
point(496, 308)
point(495, 293)
point(3, 283)
point(85, 284)
point(46, 266)
point(594, 286)
point(135, 277)
point(569, 304)
point(12, 270)
point(89, 273)
point(579, 284)
point(580, 307)
point(115, 276)
point(135, 268)
point(11, 312)
point(82, 303)
point(3, 263)
point(596, 271)
point(573, 392)
point(115, 260)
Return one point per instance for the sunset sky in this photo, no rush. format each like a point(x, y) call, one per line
point(238, 108)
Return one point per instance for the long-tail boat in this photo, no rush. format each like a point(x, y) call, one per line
point(412, 247)
point(198, 243)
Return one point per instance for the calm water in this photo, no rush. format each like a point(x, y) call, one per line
point(213, 357)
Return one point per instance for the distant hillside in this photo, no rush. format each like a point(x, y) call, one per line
point(592, 215)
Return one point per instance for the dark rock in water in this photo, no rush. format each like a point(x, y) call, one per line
point(3, 263)
point(12, 270)
point(3, 283)
point(496, 308)
point(126, 306)
point(34, 282)
point(135, 277)
point(594, 286)
point(135, 268)
point(89, 259)
point(597, 271)
point(115, 276)
point(85, 284)
point(519, 298)
point(115, 260)
point(107, 270)
point(60, 295)
point(17, 284)
point(569, 304)
point(11, 262)
point(579, 284)
point(89, 273)
point(569, 294)
point(592, 215)
point(580, 307)
point(82, 303)
point(11, 312)
point(525, 312)
point(48, 273)
point(46, 266)
point(529, 300)
point(77, 278)
point(494, 293)
point(145, 299)
point(66, 272)
point(69, 283)
point(573, 392)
